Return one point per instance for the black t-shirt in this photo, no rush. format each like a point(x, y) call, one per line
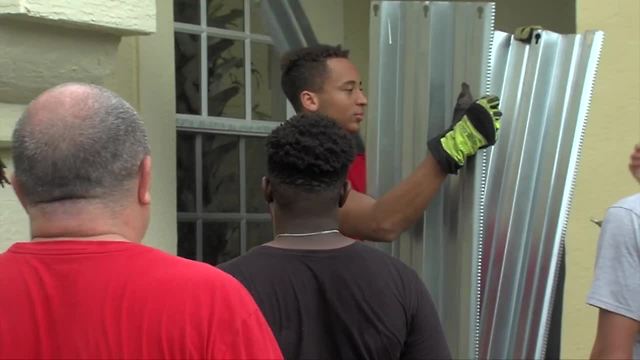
point(354, 302)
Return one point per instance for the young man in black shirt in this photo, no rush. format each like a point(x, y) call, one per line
point(323, 294)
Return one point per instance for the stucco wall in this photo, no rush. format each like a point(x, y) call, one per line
point(326, 18)
point(36, 56)
point(119, 17)
point(603, 178)
point(554, 15)
point(156, 93)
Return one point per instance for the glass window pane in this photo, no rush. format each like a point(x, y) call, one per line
point(256, 169)
point(220, 241)
point(220, 173)
point(258, 233)
point(187, 240)
point(186, 171)
point(258, 25)
point(187, 58)
point(225, 58)
point(186, 11)
point(268, 101)
point(226, 14)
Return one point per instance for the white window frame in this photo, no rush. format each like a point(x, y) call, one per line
point(224, 125)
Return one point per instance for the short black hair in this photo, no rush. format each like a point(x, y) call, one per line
point(306, 69)
point(309, 152)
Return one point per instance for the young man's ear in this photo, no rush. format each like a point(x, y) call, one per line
point(309, 101)
point(144, 181)
point(267, 192)
point(344, 193)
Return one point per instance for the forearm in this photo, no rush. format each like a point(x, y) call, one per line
point(607, 352)
point(404, 204)
point(384, 219)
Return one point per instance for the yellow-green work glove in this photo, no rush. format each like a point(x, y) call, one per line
point(477, 129)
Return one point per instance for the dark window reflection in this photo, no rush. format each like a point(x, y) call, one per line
point(186, 171)
point(187, 62)
point(187, 240)
point(186, 11)
point(256, 169)
point(258, 233)
point(220, 173)
point(226, 14)
point(220, 241)
point(225, 61)
point(267, 100)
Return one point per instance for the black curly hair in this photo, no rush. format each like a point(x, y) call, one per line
point(309, 152)
point(305, 69)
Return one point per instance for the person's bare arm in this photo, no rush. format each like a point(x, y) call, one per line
point(384, 219)
point(616, 336)
point(366, 218)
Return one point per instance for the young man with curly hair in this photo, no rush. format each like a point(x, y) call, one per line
point(322, 79)
point(325, 295)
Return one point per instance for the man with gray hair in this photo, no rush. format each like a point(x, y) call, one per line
point(84, 286)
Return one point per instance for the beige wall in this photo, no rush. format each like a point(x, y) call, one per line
point(123, 78)
point(603, 178)
point(554, 15)
point(156, 94)
point(326, 18)
point(121, 17)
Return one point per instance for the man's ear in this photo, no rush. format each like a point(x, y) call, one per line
point(309, 101)
point(17, 188)
point(144, 181)
point(344, 193)
point(267, 191)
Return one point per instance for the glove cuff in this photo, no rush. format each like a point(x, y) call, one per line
point(446, 162)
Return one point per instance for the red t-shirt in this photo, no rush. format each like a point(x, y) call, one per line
point(114, 299)
point(357, 174)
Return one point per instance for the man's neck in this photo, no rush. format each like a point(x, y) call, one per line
point(92, 223)
point(308, 233)
point(312, 242)
point(105, 237)
point(287, 224)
